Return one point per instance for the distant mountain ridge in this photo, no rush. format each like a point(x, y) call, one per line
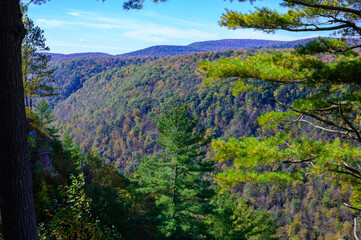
point(204, 46)
point(59, 56)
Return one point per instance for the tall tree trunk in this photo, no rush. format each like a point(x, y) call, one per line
point(175, 199)
point(16, 199)
point(175, 188)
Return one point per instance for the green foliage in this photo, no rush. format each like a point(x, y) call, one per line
point(279, 67)
point(300, 16)
point(93, 205)
point(263, 19)
point(71, 74)
point(177, 178)
point(323, 45)
point(327, 71)
point(107, 188)
point(260, 161)
point(45, 117)
point(71, 218)
point(333, 102)
point(137, 4)
point(37, 75)
point(43, 111)
point(257, 160)
point(118, 120)
point(233, 218)
point(89, 206)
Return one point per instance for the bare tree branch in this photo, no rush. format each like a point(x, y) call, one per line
point(349, 206)
point(315, 116)
point(326, 129)
point(355, 130)
point(351, 169)
point(307, 160)
point(316, 28)
point(355, 229)
point(347, 173)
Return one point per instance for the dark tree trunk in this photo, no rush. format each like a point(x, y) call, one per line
point(16, 199)
point(175, 198)
point(175, 187)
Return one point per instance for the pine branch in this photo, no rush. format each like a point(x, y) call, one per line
point(315, 116)
point(326, 129)
point(307, 160)
point(355, 130)
point(351, 207)
point(347, 173)
point(316, 29)
point(326, 7)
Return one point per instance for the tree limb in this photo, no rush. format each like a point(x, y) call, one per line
point(347, 173)
point(352, 207)
point(351, 169)
point(307, 160)
point(326, 129)
point(315, 116)
point(325, 7)
point(316, 28)
point(355, 130)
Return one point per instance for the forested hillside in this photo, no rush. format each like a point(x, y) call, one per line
point(115, 112)
point(70, 75)
point(227, 139)
point(55, 57)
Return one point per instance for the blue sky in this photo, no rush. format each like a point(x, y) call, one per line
point(73, 26)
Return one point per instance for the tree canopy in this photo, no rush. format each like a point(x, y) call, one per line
point(37, 75)
point(175, 178)
point(327, 70)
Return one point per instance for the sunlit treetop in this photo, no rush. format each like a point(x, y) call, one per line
point(327, 71)
point(338, 16)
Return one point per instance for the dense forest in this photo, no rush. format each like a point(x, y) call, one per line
point(127, 99)
point(124, 109)
point(228, 139)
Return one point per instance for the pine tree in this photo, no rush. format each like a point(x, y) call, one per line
point(178, 178)
point(331, 85)
point(233, 218)
point(16, 203)
point(37, 75)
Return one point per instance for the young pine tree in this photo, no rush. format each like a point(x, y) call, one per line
point(37, 76)
point(177, 178)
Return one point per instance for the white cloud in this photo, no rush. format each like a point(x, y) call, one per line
point(50, 23)
point(74, 13)
point(88, 46)
point(77, 13)
point(135, 29)
point(165, 34)
point(174, 20)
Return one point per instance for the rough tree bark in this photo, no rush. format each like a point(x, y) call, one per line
point(16, 199)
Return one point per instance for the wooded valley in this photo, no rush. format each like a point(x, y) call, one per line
point(226, 139)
